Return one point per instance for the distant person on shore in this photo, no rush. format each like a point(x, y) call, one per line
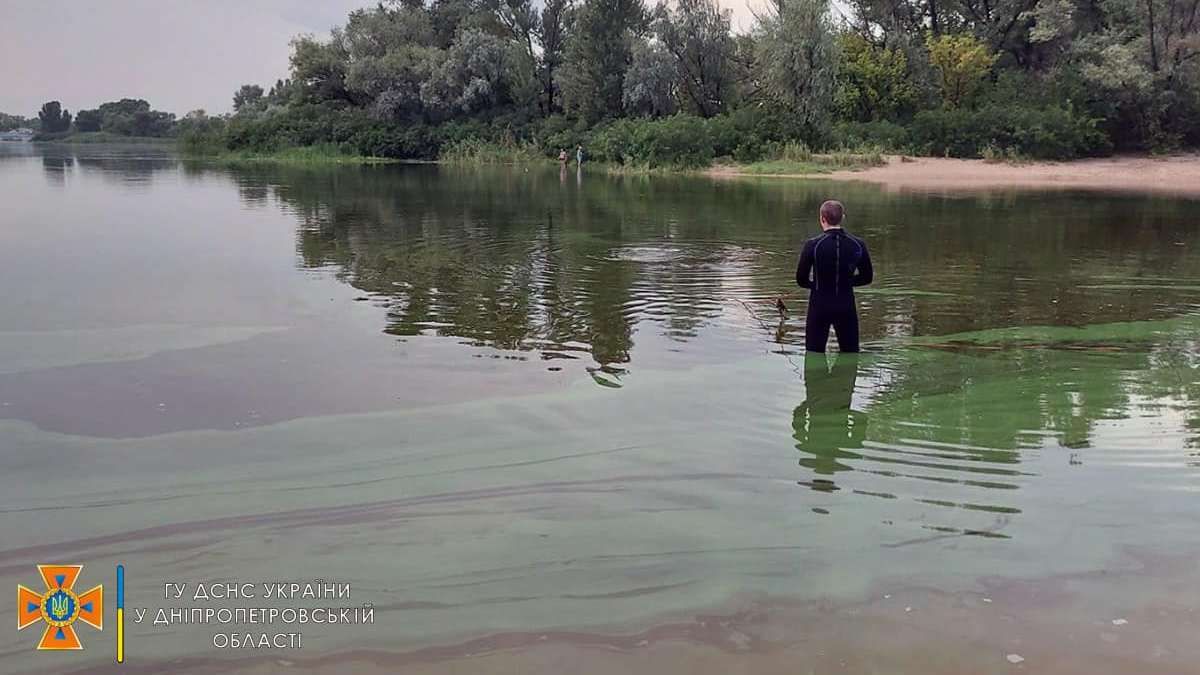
point(831, 265)
point(579, 155)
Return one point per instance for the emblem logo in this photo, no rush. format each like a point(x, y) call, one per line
point(60, 607)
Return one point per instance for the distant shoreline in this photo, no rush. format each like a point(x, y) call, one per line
point(1175, 174)
point(1170, 174)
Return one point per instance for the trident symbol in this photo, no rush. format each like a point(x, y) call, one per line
point(58, 606)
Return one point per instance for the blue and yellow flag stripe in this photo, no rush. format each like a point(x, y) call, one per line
point(120, 614)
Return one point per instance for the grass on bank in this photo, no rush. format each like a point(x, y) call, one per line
point(474, 151)
point(796, 159)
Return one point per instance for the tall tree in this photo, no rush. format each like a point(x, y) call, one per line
point(88, 120)
point(471, 78)
point(962, 61)
point(874, 82)
point(319, 68)
point(798, 58)
point(650, 83)
point(54, 117)
point(552, 34)
point(697, 35)
point(247, 96)
point(598, 55)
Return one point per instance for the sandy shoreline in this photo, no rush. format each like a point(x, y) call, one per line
point(1175, 174)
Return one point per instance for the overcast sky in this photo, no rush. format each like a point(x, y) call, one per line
point(177, 54)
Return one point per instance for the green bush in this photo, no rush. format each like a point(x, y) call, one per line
point(558, 133)
point(888, 136)
point(680, 141)
point(507, 150)
point(1041, 133)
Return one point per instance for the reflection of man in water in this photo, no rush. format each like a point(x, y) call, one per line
point(824, 426)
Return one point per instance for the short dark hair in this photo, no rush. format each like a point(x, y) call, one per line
point(832, 212)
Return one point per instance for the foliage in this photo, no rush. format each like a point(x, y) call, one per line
point(961, 61)
point(595, 60)
point(552, 34)
point(874, 82)
point(888, 136)
point(495, 80)
point(10, 122)
point(249, 95)
point(649, 88)
point(1040, 133)
point(470, 77)
point(681, 141)
point(54, 118)
point(89, 120)
point(797, 59)
point(697, 34)
point(126, 117)
point(476, 151)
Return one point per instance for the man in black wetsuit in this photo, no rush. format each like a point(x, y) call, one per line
point(831, 265)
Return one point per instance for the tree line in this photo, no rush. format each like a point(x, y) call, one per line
point(126, 117)
point(675, 84)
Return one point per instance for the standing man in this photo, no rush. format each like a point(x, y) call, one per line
point(579, 155)
point(831, 265)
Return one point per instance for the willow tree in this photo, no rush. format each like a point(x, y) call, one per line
point(696, 33)
point(798, 58)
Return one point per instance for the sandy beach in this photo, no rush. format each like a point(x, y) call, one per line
point(1174, 174)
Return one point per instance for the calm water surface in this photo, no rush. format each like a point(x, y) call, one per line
point(527, 411)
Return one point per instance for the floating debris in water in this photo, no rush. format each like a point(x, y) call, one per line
point(817, 509)
point(1119, 622)
point(988, 600)
point(1015, 658)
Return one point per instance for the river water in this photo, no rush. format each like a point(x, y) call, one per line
point(549, 421)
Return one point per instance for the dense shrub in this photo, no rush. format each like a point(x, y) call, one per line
point(887, 136)
point(681, 141)
point(1041, 133)
point(558, 133)
point(735, 136)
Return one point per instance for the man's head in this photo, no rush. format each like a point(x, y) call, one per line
point(832, 212)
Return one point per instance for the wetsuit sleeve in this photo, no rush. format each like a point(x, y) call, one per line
point(804, 267)
point(865, 273)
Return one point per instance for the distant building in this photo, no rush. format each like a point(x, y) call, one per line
point(16, 135)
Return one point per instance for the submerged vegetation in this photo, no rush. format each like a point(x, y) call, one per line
point(673, 86)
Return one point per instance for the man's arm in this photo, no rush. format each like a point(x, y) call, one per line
point(864, 274)
point(804, 267)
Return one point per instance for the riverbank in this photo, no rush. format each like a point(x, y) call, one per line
point(91, 137)
point(1174, 174)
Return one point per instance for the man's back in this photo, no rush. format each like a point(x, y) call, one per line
point(831, 265)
